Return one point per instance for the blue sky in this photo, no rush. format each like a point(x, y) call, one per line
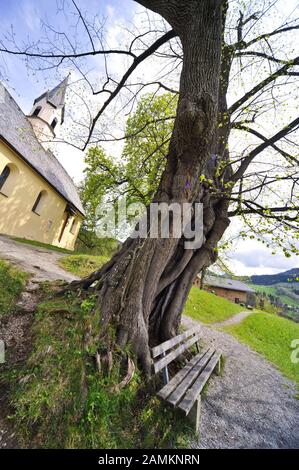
point(26, 16)
point(25, 86)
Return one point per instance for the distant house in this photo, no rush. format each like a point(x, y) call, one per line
point(234, 291)
point(38, 199)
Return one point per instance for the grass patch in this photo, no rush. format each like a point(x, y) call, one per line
point(271, 336)
point(278, 290)
point(61, 401)
point(47, 246)
point(82, 265)
point(12, 282)
point(209, 308)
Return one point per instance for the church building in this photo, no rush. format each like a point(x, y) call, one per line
point(38, 199)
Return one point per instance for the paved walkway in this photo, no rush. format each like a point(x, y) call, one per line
point(252, 405)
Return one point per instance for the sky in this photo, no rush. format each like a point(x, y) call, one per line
point(246, 257)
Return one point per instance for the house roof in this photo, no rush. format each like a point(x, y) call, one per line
point(17, 132)
point(225, 283)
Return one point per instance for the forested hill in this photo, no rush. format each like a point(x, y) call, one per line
point(292, 275)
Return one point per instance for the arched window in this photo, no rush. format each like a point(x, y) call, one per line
point(4, 175)
point(8, 179)
point(40, 200)
point(37, 111)
point(54, 123)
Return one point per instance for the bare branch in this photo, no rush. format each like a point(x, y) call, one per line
point(269, 142)
point(282, 71)
point(137, 61)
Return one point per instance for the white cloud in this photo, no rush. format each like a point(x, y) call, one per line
point(251, 257)
point(30, 15)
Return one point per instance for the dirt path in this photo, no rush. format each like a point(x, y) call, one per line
point(15, 329)
point(35, 260)
point(233, 320)
point(252, 405)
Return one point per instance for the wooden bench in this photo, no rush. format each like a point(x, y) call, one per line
point(183, 390)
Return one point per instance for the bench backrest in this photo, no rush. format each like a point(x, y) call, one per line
point(180, 343)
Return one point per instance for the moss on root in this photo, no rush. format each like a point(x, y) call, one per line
point(12, 283)
point(61, 400)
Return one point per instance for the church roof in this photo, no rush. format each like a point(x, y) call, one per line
point(16, 130)
point(56, 96)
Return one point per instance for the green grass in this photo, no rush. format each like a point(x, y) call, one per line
point(60, 399)
point(271, 336)
point(209, 308)
point(12, 282)
point(47, 246)
point(82, 265)
point(268, 290)
point(274, 291)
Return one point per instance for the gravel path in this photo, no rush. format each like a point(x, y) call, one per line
point(233, 320)
point(38, 261)
point(252, 405)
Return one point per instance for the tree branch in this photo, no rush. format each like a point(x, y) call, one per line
point(137, 61)
point(269, 142)
point(240, 126)
point(282, 71)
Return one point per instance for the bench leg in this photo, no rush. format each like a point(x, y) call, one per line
point(194, 413)
point(218, 367)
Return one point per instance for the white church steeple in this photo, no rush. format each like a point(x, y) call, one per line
point(47, 113)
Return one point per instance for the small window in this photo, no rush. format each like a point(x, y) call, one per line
point(54, 123)
point(37, 111)
point(4, 175)
point(39, 202)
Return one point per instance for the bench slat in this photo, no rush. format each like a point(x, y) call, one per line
point(183, 387)
point(163, 347)
point(179, 377)
point(174, 354)
point(192, 394)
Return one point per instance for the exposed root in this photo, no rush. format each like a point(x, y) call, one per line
point(98, 362)
point(128, 377)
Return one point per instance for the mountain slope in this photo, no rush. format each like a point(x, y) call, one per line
point(289, 276)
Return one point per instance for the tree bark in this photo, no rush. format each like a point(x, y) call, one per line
point(143, 289)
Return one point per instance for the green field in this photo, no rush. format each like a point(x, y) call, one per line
point(82, 265)
point(271, 336)
point(209, 308)
point(12, 282)
point(275, 291)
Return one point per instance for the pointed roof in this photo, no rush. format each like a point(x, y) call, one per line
point(17, 132)
point(56, 96)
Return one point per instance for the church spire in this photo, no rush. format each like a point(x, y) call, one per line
point(47, 114)
point(56, 96)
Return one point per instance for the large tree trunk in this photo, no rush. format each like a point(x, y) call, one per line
point(143, 289)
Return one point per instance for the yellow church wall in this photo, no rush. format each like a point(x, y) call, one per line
point(17, 198)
